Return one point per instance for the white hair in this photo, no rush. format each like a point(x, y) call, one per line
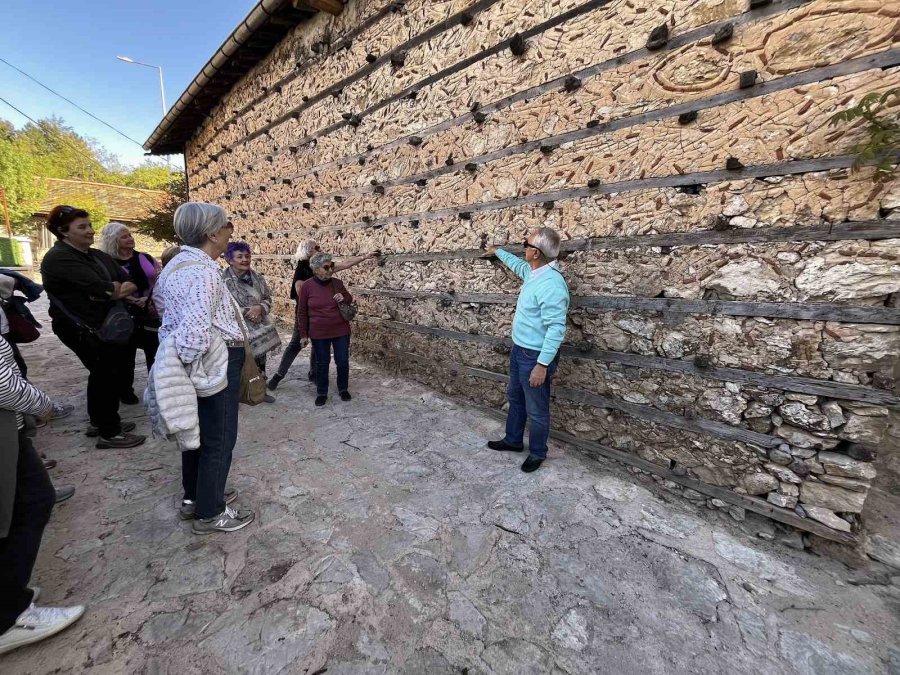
point(305, 251)
point(194, 221)
point(547, 242)
point(109, 238)
point(318, 260)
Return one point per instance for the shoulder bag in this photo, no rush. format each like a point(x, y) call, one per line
point(348, 310)
point(253, 382)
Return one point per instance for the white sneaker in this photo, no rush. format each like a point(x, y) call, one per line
point(37, 623)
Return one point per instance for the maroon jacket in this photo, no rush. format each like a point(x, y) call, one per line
point(318, 316)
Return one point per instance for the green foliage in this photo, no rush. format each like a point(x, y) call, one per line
point(882, 128)
point(23, 192)
point(58, 152)
point(159, 223)
point(95, 209)
point(149, 176)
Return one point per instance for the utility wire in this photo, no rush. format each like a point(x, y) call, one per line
point(62, 137)
point(68, 100)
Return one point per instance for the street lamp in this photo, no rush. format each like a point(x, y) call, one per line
point(162, 88)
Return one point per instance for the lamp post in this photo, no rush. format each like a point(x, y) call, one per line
point(162, 87)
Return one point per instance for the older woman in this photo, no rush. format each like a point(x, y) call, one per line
point(83, 285)
point(319, 319)
point(197, 311)
point(253, 296)
point(302, 272)
point(143, 269)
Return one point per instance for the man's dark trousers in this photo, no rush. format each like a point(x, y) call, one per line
point(527, 402)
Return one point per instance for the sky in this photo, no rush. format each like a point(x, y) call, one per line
point(72, 46)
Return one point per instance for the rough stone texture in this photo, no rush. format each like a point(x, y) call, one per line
point(389, 539)
point(280, 188)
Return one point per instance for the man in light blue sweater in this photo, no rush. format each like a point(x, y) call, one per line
point(539, 327)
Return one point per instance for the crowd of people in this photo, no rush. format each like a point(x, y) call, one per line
point(206, 333)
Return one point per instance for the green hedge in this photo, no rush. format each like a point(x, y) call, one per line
point(11, 253)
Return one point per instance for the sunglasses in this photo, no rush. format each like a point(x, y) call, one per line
point(527, 245)
point(317, 248)
point(328, 267)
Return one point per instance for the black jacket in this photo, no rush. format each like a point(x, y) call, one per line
point(82, 282)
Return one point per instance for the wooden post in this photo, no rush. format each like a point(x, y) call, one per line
point(5, 212)
point(333, 7)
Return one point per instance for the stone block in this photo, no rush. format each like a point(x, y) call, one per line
point(826, 517)
point(831, 497)
point(842, 465)
point(784, 501)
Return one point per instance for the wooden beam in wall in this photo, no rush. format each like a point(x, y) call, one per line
point(816, 311)
point(804, 385)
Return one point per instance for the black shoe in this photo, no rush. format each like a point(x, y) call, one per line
point(320, 400)
point(273, 383)
point(130, 398)
point(345, 396)
point(532, 464)
point(503, 446)
point(93, 432)
point(311, 376)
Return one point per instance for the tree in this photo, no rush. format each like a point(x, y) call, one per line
point(159, 223)
point(95, 209)
point(58, 152)
point(17, 178)
point(882, 129)
point(149, 176)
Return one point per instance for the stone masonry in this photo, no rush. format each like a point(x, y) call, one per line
point(735, 282)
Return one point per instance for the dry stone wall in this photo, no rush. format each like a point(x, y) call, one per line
point(735, 322)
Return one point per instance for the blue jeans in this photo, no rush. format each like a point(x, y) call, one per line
point(526, 401)
point(322, 351)
point(205, 470)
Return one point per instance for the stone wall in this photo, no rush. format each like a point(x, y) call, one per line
point(735, 282)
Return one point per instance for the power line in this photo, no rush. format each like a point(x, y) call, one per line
point(62, 137)
point(68, 100)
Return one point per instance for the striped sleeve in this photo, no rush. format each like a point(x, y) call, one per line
point(16, 393)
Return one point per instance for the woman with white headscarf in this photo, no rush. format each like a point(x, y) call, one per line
point(302, 271)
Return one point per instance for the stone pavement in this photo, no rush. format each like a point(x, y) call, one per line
point(390, 540)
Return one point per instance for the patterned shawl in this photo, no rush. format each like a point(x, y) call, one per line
point(263, 335)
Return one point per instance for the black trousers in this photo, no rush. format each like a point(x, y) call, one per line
point(32, 505)
point(107, 369)
point(148, 342)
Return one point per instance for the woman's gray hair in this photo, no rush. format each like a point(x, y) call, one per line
point(547, 241)
point(305, 251)
point(318, 260)
point(194, 221)
point(109, 238)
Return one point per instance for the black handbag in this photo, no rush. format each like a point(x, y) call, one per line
point(116, 328)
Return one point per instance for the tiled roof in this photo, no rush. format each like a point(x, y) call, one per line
point(122, 203)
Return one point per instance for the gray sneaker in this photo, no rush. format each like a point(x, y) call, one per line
point(230, 520)
point(189, 508)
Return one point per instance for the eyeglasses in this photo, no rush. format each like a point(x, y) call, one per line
point(528, 245)
point(317, 248)
point(229, 225)
point(328, 267)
